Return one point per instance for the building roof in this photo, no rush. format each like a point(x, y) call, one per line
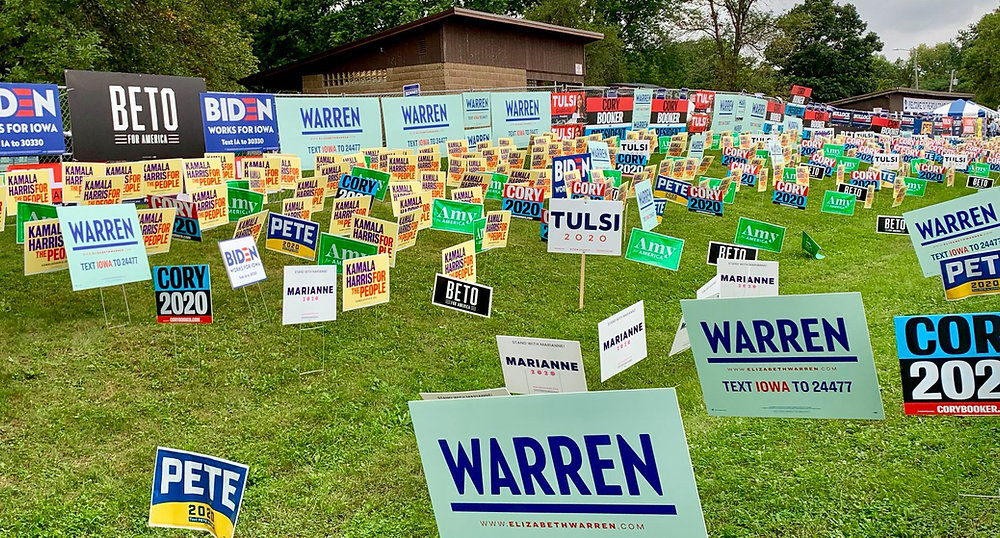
point(455, 13)
point(908, 91)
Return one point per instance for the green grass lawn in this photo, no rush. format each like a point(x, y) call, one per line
point(83, 408)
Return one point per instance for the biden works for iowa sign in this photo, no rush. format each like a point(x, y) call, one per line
point(30, 120)
point(239, 122)
point(784, 356)
point(557, 464)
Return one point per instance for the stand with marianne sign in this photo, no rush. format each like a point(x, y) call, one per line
point(541, 365)
point(784, 356)
point(310, 296)
point(582, 462)
point(623, 340)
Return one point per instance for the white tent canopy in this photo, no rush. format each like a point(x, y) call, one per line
point(963, 108)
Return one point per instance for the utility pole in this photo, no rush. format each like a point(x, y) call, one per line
point(916, 73)
point(951, 81)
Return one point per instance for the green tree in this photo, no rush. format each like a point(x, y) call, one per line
point(204, 38)
point(890, 74)
point(935, 65)
point(982, 70)
point(605, 63)
point(739, 31)
point(40, 38)
point(825, 46)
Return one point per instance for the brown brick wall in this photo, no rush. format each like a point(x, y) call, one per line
point(434, 76)
point(465, 76)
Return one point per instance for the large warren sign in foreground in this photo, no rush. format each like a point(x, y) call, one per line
point(559, 465)
point(785, 356)
point(124, 116)
point(950, 364)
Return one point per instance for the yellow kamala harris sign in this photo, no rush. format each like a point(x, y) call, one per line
point(459, 261)
point(44, 251)
point(366, 281)
point(157, 227)
point(213, 210)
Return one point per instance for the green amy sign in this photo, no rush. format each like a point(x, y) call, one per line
point(759, 234)
point(654, 249)
point(381, 177)
point(243, 202)
point(335, 250)
point(452, 216)
point(838, 203)
point(811, 247)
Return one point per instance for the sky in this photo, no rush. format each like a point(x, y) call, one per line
point(907, 23)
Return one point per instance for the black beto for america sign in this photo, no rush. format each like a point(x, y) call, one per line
point(125, 116)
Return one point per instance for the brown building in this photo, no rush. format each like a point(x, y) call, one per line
point(906, 100)
point(457, 49)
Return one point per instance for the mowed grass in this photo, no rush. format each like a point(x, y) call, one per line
point(83, 407)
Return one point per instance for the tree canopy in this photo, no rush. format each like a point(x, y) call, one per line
point(825, 46)
point(715, 44)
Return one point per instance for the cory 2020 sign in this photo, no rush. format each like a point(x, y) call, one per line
point(124, 116)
